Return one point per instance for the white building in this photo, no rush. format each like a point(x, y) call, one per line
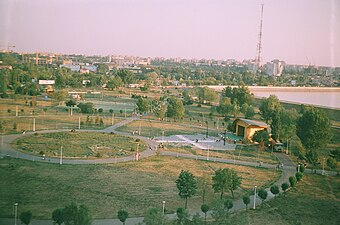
point(274, 68)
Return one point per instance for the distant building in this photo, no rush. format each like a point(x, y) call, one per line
point(74, 68)
point(274, 68)
point(246, 128)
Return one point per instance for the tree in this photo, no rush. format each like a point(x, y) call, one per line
point(187, 185)
point(207, 95)
point(57, 216)
point(87, 107)
point(182, 216)
point(276, 124)
point(261, 135)
point(331, 163)
point(262, 194)
point(74, 215)
point(298, 176)
point(26, 217)
point(154, 217)
point(225, 107)
point(269, 106)
point(205, 208)
point(228, 204)
point(313, 129)
point(246, 201)
point(175, 108)
point(196, 220)
point(122, 216)
point(249, 114)
point(83, 216)
point(226, 179)
point(275, 190)
point(60, 96)
point(292, 181)
point(143, 105)
point(284, 187)
point(71, 103)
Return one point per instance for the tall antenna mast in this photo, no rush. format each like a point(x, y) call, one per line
point(259, 45)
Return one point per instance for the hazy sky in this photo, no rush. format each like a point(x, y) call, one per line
point(297, 31)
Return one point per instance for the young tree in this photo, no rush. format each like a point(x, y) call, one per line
point(263, 195)
point(246, 201)
point(26, 217)
point(187, 185)
point(226, 179)
point(122, 216)
point(83, 216)
point(205, 208)
point(71, 103)
point(284, 187)
point(228, 204)
point(154, 217)
point(275, 190)
point(182, 216)
point(292, 181)
point(298, 176)
point(57, 216)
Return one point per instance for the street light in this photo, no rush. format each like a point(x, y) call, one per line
point(15, 213)
point(207, 133)
point(323, 166)
point(163, 207)
point(61, 155)
point(254, 198)
point(208, 153)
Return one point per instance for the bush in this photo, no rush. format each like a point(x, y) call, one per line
point(292, 181)
point(284, 187)
point(298, 176)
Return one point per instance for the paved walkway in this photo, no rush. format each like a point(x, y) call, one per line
point(7, 150)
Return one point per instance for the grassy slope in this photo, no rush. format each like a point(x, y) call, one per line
point(105, 189)
point(315, 201)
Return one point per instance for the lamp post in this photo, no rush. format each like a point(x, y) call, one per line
point(61, 155)
point(15, 213)
point(254, 198)
point(323, 166)
point(163, 207)
point(207, 133)
point(208, 153)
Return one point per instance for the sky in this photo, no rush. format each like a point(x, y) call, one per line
point(296, 31)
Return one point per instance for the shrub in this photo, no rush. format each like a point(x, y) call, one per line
point(292, 181)
point(298, 176)
point(284, 187)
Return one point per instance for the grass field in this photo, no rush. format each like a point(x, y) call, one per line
point(155, 129)
point(244, 154)
point(105, 189)
point(315, 201)
point(79, 144)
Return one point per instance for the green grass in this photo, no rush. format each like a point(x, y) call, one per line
point(243, 154)
point(155, 129)
point(315, 201)
point(79, 144)
point(133, 186)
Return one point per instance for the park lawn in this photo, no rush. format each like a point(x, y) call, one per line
point(86, 145)
point(246, 154)
point(105, 189)
point(315, 201)
point(53, 122)
point(155, 128)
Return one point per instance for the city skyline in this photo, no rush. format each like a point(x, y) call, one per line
point(185, 29)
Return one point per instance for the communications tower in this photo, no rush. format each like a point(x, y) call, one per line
point(258, 58)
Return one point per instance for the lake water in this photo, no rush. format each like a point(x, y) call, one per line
point(324, 97)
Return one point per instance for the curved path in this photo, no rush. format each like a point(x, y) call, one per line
point(7, 150)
